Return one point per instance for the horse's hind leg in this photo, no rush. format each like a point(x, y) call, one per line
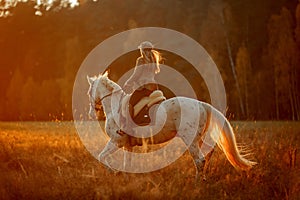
point(206, 162)
point(207, 148)
point(196, 154)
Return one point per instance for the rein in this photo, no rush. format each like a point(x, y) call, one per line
point(105, 96)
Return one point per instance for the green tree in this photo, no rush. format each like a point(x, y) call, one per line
point(49, 101)
point(219, 37)
point(243, 72)
point(13, 95)
point(71, 64)
point(28, 103)
point(297, 73)
point(297, 30)
point(284, 57)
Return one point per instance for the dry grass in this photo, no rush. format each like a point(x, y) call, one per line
point(47, 161)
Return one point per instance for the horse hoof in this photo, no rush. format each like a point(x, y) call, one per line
point(200, 179)
point(110, 170)
point(117, 173)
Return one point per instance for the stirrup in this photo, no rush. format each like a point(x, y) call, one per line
point(120, 132)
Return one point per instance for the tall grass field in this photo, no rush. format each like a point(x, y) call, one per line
point(47, 160)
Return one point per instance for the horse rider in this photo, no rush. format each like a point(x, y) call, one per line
point(142, 82)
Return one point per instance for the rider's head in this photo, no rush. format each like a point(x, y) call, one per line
point(145, 48)
point(150, 55)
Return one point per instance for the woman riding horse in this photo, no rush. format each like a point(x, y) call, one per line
point(142, 82)
point(147, 66)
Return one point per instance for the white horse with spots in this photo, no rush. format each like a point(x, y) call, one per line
point(174, 117)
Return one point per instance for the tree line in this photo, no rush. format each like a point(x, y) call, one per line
point(257, 52)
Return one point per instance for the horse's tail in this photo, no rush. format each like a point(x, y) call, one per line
point(223, 135)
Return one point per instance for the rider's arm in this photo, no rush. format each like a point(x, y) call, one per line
point(128, 86)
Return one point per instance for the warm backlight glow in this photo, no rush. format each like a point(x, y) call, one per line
point(6, 6)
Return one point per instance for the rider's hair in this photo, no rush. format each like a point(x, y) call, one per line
point(155, 56)
point(157, 59)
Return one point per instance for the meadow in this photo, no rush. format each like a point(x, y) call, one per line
point(47, 160)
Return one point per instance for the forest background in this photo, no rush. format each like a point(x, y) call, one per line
point(255, 44)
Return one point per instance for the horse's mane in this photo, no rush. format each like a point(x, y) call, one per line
point(108, 82)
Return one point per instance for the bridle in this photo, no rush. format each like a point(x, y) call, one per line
point(93, 105)
point(109, 94)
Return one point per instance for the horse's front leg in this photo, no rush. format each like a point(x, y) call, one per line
point(127, 157)
point(109, 149)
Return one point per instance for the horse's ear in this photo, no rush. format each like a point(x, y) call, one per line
point(90, 79)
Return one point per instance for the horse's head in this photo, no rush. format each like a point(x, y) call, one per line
point(100, 87)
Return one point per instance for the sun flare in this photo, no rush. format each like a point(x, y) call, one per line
point(6, 6)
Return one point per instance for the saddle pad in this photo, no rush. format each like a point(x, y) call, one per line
point(155, 97)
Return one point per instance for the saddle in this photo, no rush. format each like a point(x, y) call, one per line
point(140, 111)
